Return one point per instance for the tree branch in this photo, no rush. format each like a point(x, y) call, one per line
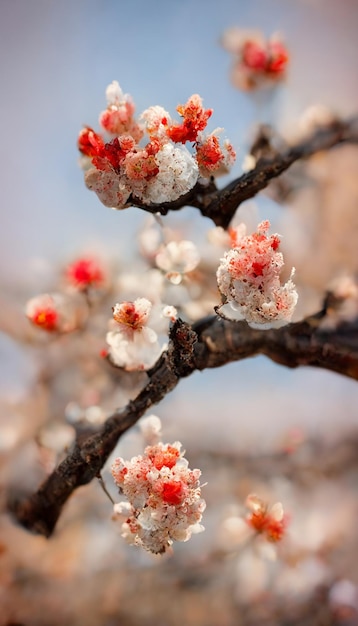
point(211, 342)
point(220, 205)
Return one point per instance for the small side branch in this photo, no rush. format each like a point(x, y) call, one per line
point(220, 205)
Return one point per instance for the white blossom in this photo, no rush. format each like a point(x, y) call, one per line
point(151, 428)
point(156, 120)
point(177, 258)
point(115, 95)
point(133, 340)
point(249, 163)
point(112, 189)
point(178, 173)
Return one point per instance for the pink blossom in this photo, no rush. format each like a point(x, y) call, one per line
point(159, 172)
point(112, 189)
point(118, 119)
point(164, 497)
point(257, 62)
point(156, 120)
point(57, 312)
point(249, 281)
point(214, 159)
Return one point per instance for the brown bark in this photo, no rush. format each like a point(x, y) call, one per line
point(220, 205)
point(211, 342)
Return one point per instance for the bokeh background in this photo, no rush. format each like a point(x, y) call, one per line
point(56, 61)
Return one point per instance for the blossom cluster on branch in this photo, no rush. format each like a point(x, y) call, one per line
point(249, 281)
point(160, 170)
point(164, 502)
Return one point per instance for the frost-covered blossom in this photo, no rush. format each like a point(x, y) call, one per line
point(141, 165)
point(238, 232)
point(257, 62)
point(112, 190)
point(132, 315)
point(249, 281)
point(123, 170)
point(212, 158)
point(118, 118)
point(136, 351)
point(85, 272)
point(177, 258)
point(133, 339)
point(57, 312)
point(156, 120)
point(177, 173)
point(164, 498)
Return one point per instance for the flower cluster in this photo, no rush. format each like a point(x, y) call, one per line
point(211, 157)
point(164, 497)
point(257, 62)
point(249, 281)
point(133, 339)
point(64, 311)
point(158, 171)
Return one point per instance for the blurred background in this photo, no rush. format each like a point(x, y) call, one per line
point(56, 60)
